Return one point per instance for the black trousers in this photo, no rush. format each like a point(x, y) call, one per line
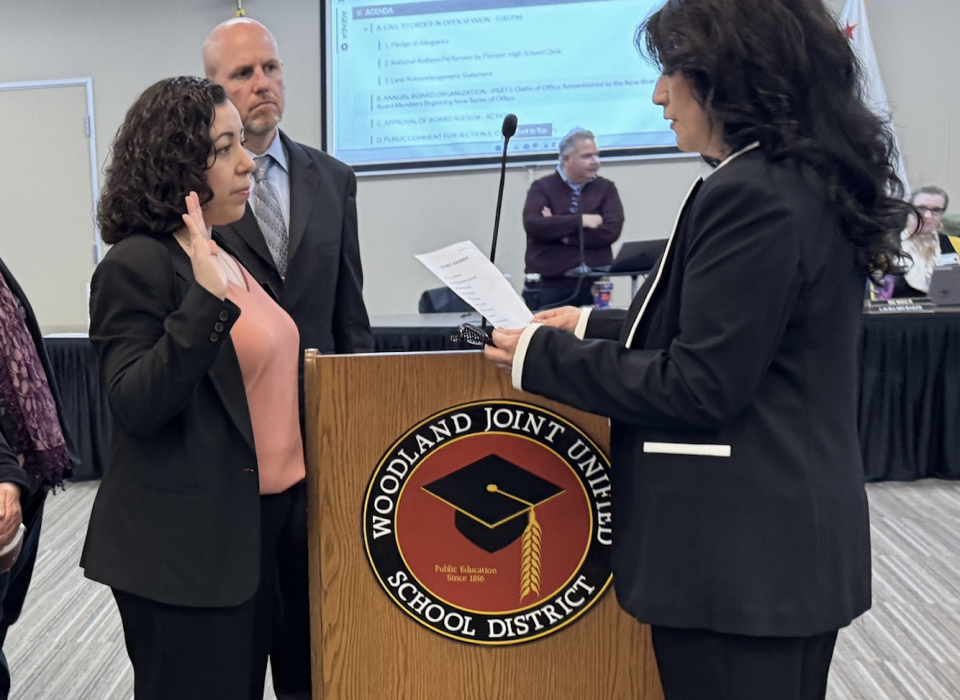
point(282, 625)
point(14, 583)
point(706, 665)
point(191, 653)
point(187, 653)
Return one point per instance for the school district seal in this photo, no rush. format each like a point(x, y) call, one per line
point(490, 522)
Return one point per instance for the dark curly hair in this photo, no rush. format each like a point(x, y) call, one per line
point(782, 73)
point(160, 154)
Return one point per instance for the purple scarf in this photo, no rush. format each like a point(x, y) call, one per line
point(26, 399)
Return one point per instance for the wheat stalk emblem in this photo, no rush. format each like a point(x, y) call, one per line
point(530, 557)
point(529, 548)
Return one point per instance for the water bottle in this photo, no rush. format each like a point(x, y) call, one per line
point(531, 290)
point(602, 289)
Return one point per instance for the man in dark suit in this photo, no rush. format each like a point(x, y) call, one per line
point(319, 280)
point(298, 237)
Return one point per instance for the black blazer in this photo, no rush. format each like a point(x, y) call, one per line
point(177, 515)
point(731, 384)
point(323, 288)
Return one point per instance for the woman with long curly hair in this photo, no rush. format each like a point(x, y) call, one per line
point(741, 521)
point(200, 367)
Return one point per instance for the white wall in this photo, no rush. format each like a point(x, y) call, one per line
point(125, 45)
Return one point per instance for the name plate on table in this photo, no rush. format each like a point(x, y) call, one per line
point(910, 305)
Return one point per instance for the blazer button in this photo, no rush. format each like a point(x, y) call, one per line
point(250, 471)
point(218, 327)
point(214, 337)
point(224, 315)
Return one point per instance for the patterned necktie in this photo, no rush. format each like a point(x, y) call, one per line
point(269, 214)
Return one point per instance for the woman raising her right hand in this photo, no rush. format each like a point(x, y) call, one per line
point(200, 366)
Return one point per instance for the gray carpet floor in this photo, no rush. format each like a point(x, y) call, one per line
point(68, 645)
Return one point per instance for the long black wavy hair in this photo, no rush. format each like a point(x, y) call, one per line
point(161, 153)
point(782, 73)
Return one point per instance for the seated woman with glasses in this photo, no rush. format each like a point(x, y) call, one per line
point(925, 243)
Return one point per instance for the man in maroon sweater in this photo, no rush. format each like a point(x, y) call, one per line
point(560, 208)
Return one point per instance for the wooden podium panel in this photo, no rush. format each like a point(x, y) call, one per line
point(364, 646)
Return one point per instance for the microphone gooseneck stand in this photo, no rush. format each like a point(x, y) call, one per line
point(508, 129)
point(580, 271)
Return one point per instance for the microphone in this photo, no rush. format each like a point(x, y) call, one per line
point(582, 269)
point(508, 129)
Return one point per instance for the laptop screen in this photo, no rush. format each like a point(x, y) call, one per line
point(638, 256)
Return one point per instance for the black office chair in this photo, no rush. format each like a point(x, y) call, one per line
point(441, 300)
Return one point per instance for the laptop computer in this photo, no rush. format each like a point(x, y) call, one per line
point(638, 256)
point(945, 285)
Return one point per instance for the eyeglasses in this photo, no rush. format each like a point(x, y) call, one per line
point(472, 335)
point(933, 211)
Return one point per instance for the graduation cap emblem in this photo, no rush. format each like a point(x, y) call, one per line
point(490, 498)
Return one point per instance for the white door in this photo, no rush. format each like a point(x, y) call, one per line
point(48, 238)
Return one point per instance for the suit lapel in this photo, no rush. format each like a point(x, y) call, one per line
point(304, 182)
point(259, 264)
point(661, 268)
point(676, 225)
point(248, 231)
point(225, 374)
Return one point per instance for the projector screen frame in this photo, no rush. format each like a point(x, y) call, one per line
point(443, 163)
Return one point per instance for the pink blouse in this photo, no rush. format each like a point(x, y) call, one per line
point(267, 345)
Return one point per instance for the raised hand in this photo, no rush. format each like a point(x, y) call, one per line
point(207, 271)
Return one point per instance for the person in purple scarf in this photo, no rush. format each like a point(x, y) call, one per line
point(34, 453)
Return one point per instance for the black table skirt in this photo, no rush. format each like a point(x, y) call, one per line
point(85, 408)
point(398, 339)
point(909, 416)
point(74, 365)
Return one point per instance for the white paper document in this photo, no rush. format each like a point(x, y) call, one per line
point(476, 280)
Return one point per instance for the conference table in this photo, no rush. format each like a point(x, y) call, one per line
point(909, 415)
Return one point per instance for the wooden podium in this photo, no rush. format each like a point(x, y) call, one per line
point(364, 646)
